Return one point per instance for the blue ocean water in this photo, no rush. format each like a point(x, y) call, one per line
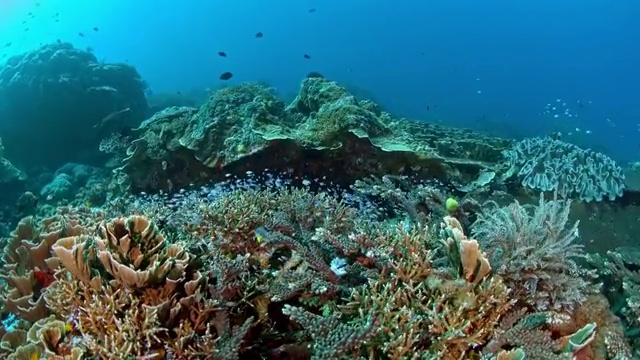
point(513, 69)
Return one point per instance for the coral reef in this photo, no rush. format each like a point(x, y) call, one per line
point(44, 88)
point(325, 131)
point(256, 268)
point(247, 228)
point(8, 171)
point(78, 182)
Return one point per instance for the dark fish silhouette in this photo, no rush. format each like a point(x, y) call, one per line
point(307, 56)
point(312, 10)
point(7, 44)
point(81, 34)
point(259, 35)
point(226, 75)
point(96, 29)
point(222, 53)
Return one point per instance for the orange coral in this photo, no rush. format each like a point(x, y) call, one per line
point(473, 264)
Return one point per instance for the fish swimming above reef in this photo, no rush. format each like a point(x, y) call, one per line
point(110, 117)
point(226, 75)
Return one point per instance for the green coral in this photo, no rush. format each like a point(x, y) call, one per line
point(332, 338)
point(225, 128)
point(333, 120)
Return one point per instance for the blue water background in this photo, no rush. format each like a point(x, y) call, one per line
point(489, 65)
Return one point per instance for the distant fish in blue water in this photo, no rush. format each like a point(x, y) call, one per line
point(96, 28)
point(226, 75)
point(222, 53)
point(259, 35)
point(8, 44)
point(312, 10)
point(80, 34)
point(307, 56)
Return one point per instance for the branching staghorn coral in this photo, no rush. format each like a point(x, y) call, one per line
point(332, 338)
point(305, 229)
point(125, 289)
point(425, 312)
point(170, 309)
point(290, 274)
point(534, 249)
